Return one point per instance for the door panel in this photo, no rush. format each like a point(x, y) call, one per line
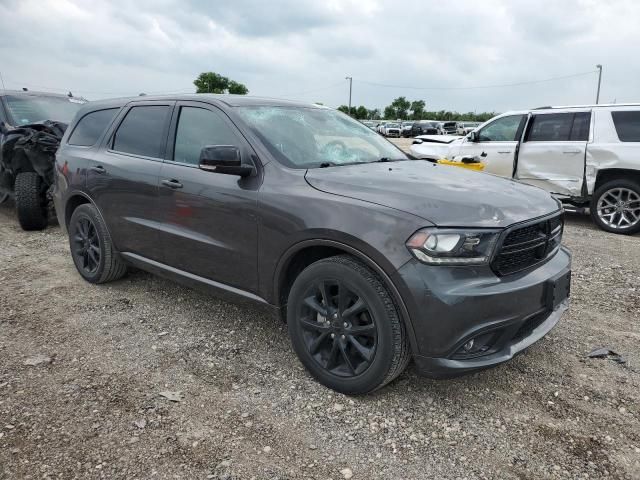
point(125, 189)
point(209, 219)
point(552, 155)
point(124, 184)
point(209, 225)
point(496, 145)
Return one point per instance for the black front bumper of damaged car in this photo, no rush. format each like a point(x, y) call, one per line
point(466, 319)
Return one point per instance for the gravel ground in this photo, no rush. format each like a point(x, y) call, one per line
point(89, 376)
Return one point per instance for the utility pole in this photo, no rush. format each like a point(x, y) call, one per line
point(599, 67)
point(350, 85)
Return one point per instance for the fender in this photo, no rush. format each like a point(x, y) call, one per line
point(283, 263)
point(80, 193)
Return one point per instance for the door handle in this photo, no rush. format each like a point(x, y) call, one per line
point(504, 151)
point(98, 169)
point(568, 152)
point(172, 183)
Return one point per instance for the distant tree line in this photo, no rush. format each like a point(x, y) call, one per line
point(403, 109)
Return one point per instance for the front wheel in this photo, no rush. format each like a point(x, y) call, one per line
point(615, 206)
point(345, 327)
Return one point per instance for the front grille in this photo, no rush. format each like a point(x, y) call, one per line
point(526, 246)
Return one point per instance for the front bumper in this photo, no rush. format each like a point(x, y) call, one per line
point(449, 306)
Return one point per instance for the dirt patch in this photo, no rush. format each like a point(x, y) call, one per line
point(248, 408)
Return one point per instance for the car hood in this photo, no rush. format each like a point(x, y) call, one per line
point(443, 195)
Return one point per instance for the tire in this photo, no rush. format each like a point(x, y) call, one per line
point(31, 203)
point(355, 353)
point(615, 206)
point(91, 247)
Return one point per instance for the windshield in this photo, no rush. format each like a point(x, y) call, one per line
point(316, 137)
point(24, 109)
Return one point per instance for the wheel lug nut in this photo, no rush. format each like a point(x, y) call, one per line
point(345, 324)
point(343, 337)
point(335, 315)
point(333, 335)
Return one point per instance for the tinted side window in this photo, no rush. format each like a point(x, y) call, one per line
point(91, 126)
point(554, 127)
point(580, 129)
point(504, 129)
point(627, 125)
point(142, 131)
point(197, 128)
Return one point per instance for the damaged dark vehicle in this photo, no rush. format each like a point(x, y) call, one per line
point(31, 126)
point(371, 257)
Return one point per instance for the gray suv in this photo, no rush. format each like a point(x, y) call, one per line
point(371, 258)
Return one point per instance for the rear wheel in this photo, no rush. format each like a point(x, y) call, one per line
point(345, 327)
point(91, 247)
point(31, 201)
point(615, 206)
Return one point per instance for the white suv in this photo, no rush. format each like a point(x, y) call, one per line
point(587, 156)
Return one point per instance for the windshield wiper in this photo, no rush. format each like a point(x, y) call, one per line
point(326, 165)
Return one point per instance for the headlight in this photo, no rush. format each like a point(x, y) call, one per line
point(440, 246)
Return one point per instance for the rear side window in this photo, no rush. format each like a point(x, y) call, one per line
point(142, 132)
point(91, 126)
point(560, 127)
point(627, 125)
point(554, 127)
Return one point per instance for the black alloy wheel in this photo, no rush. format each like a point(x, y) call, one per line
point(86, 246)
point(345, 327)
point(92, 249)
point(339, 329)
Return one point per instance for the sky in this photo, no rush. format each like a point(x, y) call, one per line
point(492, 55)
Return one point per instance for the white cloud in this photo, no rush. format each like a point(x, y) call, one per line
point(304, 49)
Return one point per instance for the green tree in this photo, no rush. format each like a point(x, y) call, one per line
point(374, 114)
point(399, 109)
point(343, 109)
point(417, 109)
point(389, 112)
point(361, 113)
point(211, 82)
point(237, 88)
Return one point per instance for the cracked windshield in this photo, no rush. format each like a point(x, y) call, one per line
point(317, 137)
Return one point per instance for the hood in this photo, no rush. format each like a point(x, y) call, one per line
point(443, 195)
point(439, 138)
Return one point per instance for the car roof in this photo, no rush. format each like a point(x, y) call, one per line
point(599, 105)
point(229, 100)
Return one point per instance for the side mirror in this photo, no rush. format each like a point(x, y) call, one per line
point(473, 137)
point(417, 141)
point(223, 159)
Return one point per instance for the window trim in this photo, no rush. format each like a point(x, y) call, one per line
point(123, 114)
point(101, 136)
point(247, 153)
point(573, 119)
point(518, 130)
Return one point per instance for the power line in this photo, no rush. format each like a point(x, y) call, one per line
point(321, 89)
point(517, 84)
